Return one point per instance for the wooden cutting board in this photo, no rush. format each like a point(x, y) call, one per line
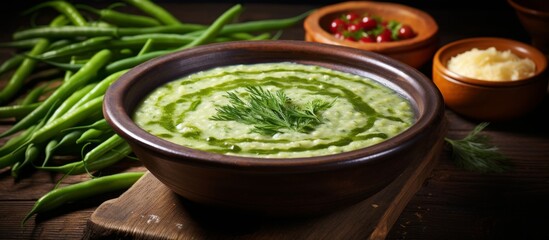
point(149, 210)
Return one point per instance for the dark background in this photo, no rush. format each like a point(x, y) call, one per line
point(476, 17)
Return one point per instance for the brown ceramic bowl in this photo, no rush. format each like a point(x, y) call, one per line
point(490, 100)
point(534, 16)
point(414, 52)
point(277, 186)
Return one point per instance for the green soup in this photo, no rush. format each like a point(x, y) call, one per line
point(361, 112)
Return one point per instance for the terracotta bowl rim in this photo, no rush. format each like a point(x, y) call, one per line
point(317, 33)
point(116, 115)
point(527, 10)
point(442, 69)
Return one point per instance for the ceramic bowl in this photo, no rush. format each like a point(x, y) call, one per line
point(490, 100)
point(276, 186)
point(414, 51)
point(534, 17)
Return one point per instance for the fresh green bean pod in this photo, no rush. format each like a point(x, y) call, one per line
point(100, 124)
point(92, 31)
point(18, 155)
point(12, 63)
point(206, 36)
point(17, 81)
point(18, 111)
point(21, 44)
point(64, 7)
point(83, 190)
point(92, 134)
point(70, 101)
point(81, 78)
point(34, 95)
point(67, 142)
point(16, 141)
point(122, 19)
point(95, 163)
point(75, 48)
point(155, 11)
point(31, 154)
point(103, 147)
point(68, 120)
point(98, 89)
point(49, 150)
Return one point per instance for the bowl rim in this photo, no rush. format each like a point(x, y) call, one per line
point(119, 119)
point(312, 27)
point(441, 67)
point(526, 10)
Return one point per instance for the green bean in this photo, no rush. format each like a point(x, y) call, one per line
point(79, 79)
point(21, 44)
point(83, 190)
point(92, 134)
point(206, 36)
point(122, 19)
point(68, 120)
point(216, 26)
point(17, 111)
point(11, 63)
point(136, 41)
point(70, 101)
point(26, 67)
point(31, 154)
point(49, 150)
point(93, 163)
point(34, 95)
point(68, 141)
point(63, 7)
point(146, 47)
point(180, 29)
point(16, 82)
point(16, 141)
point(101, 124)
point(104, 147)
point(195, 29)
point(59, 44)
point(75, 47)
point(155, 11)
point(13, 157)
point(15, 147)
point(259, 25)
point(91, 31)
point(98, 90)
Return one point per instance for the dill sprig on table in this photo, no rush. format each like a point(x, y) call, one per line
point(270, 112)
point(475, 153)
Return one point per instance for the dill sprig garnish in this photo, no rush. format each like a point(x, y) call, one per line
point(475, 153)
point(270, 112)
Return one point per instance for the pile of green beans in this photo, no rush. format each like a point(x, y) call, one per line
point(85, 50)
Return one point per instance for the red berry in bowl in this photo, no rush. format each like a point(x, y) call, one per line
point(368, 39)
point(384, 36)
point(368, 23)
point(354, 27)
point(337, 25)
point(352, 17)
point(406, 32)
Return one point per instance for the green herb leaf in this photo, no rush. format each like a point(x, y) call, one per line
point(270, 113)
point(476, 154)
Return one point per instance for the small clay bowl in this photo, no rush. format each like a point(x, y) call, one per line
point(277, 186)
point(490, 100)
point(414, 51)
point(534, 16)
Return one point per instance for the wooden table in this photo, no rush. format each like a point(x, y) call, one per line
point(452, 203)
